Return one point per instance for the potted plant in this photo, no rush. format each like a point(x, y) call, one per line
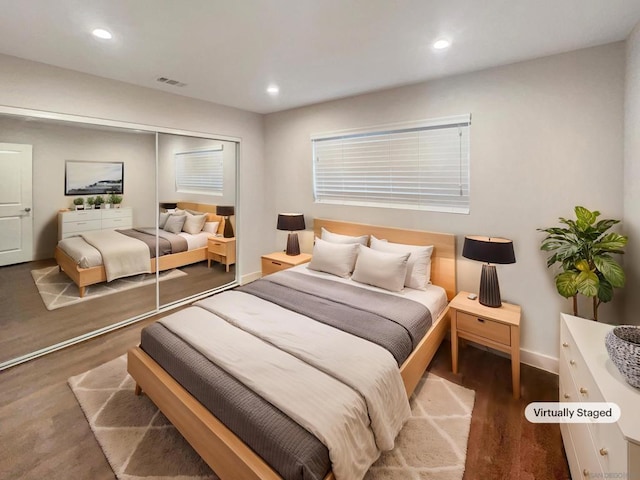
point(79, 203)
point(99, 201)
point(115, 199)
point(584, 250)
point(91, 202)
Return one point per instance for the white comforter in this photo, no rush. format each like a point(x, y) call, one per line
point(122, 256)
point(345, 390)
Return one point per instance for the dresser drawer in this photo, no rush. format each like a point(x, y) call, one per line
point(80, 216)
point(116, 223)
point(81, 226)
point(110, 213)
point(272, 266)
point(219, 248)
point(576, 368)
point(588, 465)
point(490, 329)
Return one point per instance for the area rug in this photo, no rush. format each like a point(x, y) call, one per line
point(140, 443)
point(58, 290)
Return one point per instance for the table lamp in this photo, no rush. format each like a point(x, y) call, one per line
point(291, 222)
point(226, 212)
point(489, 250)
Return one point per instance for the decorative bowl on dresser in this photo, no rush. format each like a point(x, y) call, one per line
point(587, 374)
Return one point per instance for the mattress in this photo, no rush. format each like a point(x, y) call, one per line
point(290, 449)
point(87, 256)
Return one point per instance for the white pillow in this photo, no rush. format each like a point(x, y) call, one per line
point(211, 227)
point(335, 258)
point(175, 223)
point(337, 238)
point(194, 223)
point(419, 264)
point(162, 219)
point(381, 269)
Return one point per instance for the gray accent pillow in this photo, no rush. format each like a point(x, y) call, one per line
point(162, 219)
point(381, 269)
point(335, 258)
point(175, 223)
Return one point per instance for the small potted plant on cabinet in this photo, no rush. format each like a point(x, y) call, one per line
point(99, 201)
point(115, 199)
point(91, 202)
point(79, 203)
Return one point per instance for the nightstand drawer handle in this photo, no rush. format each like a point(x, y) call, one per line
point(481, 320)
point(565, 344)
point(276, 263)
point(583, 391)
point(604, 452)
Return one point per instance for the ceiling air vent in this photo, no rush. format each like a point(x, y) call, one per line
point(169, 81)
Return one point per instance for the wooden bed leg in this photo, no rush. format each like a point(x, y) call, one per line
point(138, 389)
point(82, 291)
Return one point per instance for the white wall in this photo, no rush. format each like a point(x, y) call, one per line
point(632, 178)
point(546, 135)
point(33, 85)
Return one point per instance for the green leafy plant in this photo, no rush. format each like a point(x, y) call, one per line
point(99, 200)
point(91, 201)
point(115, 199)
point(78, 201)
point(584, 250)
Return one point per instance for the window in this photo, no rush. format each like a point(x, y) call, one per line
point(200, 171)
point(419, 165)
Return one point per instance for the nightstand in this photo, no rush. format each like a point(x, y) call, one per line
point(277, 261)
point(497, 328)
point(221, 250)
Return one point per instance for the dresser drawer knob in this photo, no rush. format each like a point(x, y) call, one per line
point(585, 472)
point(604, 452)
point(572, 362)
point(583, 391)
point(566, 395)
point(565, 344)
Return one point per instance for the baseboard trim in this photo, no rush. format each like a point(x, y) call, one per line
point(539, 360)
point(250, 277)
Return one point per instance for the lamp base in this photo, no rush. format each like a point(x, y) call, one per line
point(293, 247)
point(228, 228)
point(489, 287)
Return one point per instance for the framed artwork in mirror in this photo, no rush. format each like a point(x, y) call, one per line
point(93, 178)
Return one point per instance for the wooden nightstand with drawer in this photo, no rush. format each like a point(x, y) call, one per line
point(277, 261)
point(222, 250)
point(497, 328)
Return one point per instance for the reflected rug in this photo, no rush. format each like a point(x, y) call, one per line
point(139, 442)
point(57, 290)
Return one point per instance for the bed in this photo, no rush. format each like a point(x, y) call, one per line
point(94, 272)
point(227, 454)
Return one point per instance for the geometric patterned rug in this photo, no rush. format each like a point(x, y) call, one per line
point(140, 443)
point(58, 290)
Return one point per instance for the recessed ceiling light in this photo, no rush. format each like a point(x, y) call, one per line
point(102, 33)
point(441, 44)
point(273, 90)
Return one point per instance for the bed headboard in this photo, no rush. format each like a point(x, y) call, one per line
point(443, 258)
point(204, 208)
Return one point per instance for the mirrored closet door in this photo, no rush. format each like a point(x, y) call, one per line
point(87, 181)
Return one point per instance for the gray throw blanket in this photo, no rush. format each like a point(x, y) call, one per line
point(395, 323)
point(167, 242)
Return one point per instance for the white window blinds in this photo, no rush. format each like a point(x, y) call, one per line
point(200, 171)
point(421, 165)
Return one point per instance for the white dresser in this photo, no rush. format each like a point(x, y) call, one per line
point(75, 222)
point(597, 450)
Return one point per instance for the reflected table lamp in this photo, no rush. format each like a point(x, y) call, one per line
point(489, 250)
point(291, 222)
point(226, 212)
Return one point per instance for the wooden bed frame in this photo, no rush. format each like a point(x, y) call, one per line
point(83, 277)
point(219, 447)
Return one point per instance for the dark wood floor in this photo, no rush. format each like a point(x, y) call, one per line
point(43, 433)
point(26, 324)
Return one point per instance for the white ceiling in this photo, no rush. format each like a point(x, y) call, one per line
point(229, 51)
